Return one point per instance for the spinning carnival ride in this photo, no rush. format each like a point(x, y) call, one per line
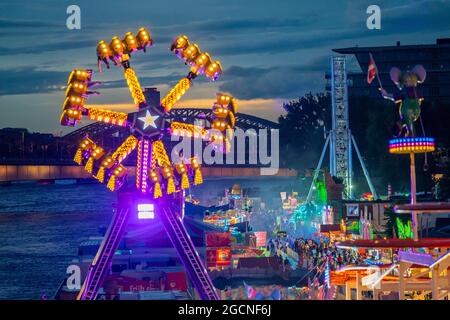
point(160, 184)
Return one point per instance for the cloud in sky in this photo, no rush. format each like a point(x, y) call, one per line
point(271, 51)
point(274, 82)
point(29, 79)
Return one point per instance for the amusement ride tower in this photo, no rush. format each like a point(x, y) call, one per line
point(158, 192)
point(340, 139)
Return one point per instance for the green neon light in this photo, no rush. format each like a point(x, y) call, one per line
point(404, 230)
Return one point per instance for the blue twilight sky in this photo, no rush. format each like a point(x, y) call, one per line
point(271, 51)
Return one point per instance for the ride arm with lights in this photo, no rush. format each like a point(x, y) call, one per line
point(71, 116)
point(107, 116)
point(170, 177)
point(200, 64)
point(134, 86)
point(105, 167)
point(119, 52)
point(76, 93)
point(175, 93)
point(222, 119)
point(181, 129)
point(116, 49)
point(74, 108)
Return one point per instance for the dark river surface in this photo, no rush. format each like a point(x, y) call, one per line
point(41, 227)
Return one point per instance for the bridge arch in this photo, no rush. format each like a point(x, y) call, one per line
point(189, 115)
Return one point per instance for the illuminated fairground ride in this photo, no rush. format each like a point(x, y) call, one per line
point(409, 101)
point(423, 264)
point(411, 146)
point(160, 184)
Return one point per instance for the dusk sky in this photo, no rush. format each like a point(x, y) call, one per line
point(271, 51)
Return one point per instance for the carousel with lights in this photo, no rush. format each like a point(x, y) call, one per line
point(158, 191)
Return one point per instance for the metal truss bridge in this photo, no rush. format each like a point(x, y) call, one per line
point(99, 130)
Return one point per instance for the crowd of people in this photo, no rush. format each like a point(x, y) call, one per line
point(298, 246)
point(311, 254)
point(318, 253)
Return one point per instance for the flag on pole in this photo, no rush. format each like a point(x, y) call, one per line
point(372, 70)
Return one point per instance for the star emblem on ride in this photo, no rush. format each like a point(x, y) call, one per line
point(148, 120)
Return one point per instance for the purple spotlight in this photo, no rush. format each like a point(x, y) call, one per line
point(146, 211)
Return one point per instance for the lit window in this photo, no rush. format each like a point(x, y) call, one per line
point(146, 211)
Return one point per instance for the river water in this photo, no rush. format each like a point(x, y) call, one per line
point(41, 227)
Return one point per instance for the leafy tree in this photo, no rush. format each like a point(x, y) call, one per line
point(302, 130)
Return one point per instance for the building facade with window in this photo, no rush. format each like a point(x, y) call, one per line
point(434, 57)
